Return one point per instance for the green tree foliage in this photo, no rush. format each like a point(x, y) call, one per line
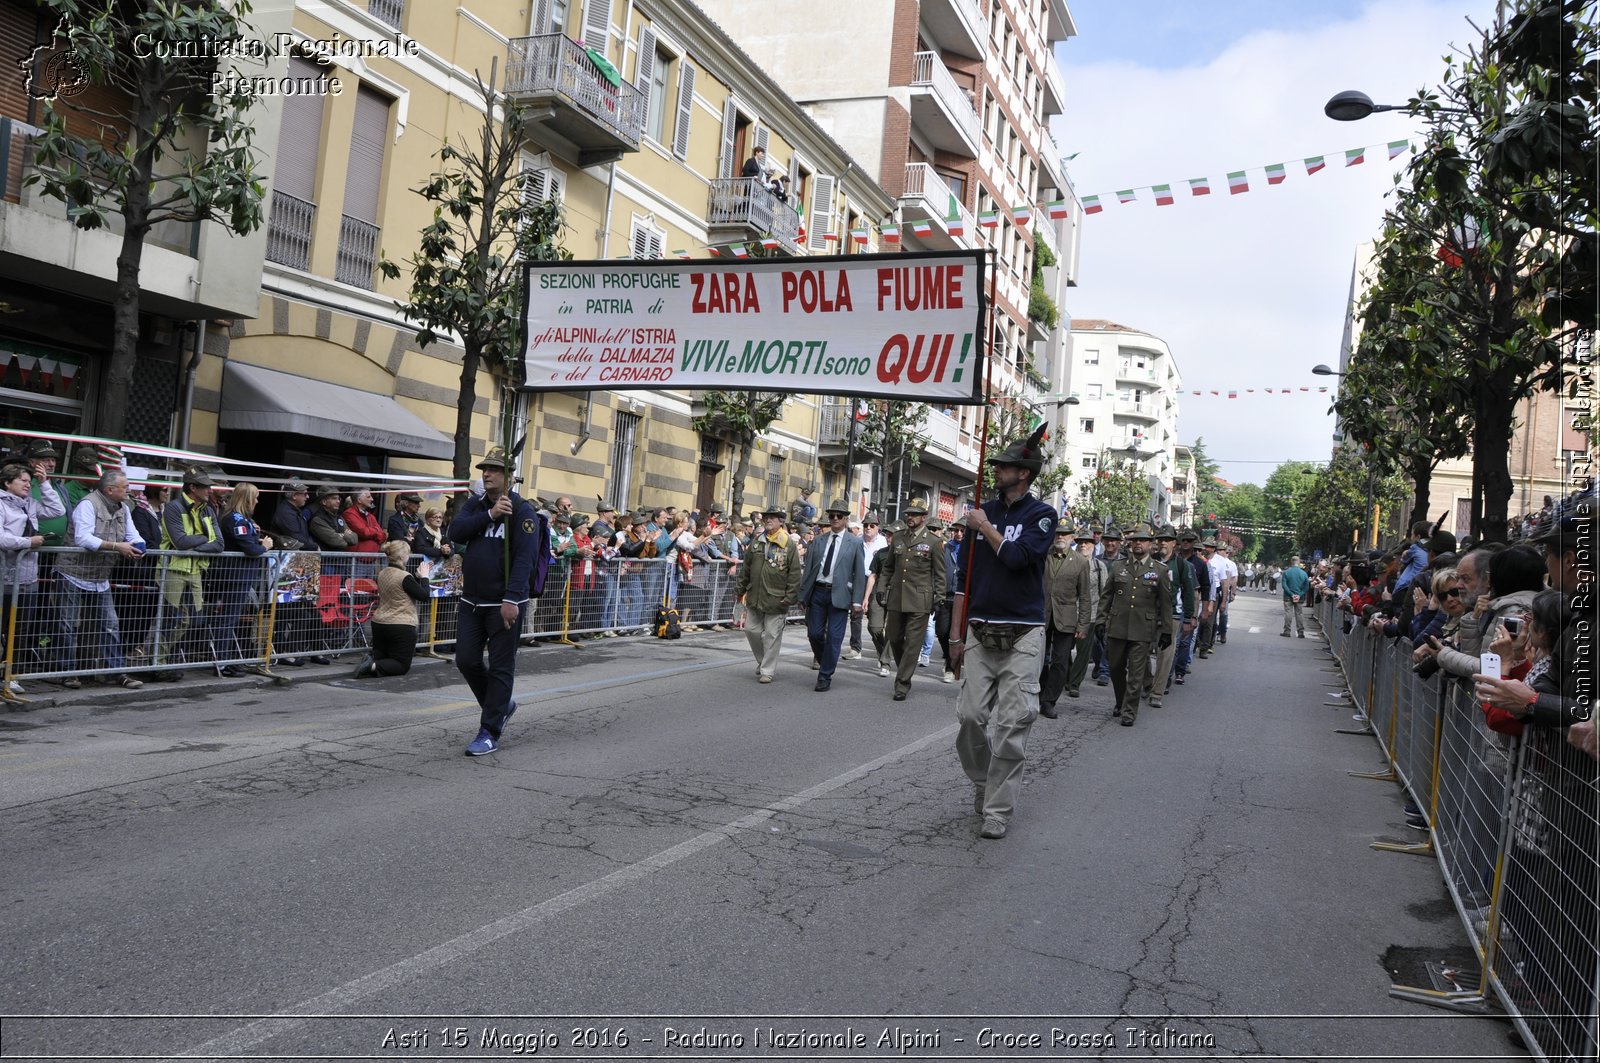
point(1505, 187)
point(1118, 492)
point(1332, 506)
point(740, 416)
point(1208, 490)
point(1241, 511)
point(158, 146)
point(466, 275)
point(895, 432)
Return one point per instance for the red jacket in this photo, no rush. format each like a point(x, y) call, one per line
point(369, 533)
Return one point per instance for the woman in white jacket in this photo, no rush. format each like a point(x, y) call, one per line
point(20, 540)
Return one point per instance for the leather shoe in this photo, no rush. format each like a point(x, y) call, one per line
point(1049, 712)
point(321, 659)
point(1073, 692)
point(292, 662)
point(822, 684)
point(900, 695)
point(993, 828)
point(1127, 721)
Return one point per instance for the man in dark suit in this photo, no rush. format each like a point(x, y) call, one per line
point(833, 587)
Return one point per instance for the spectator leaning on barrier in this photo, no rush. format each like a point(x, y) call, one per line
point(102, 529)
point(1516, 574)
point(403, 523)
point(329, 531)
point(1567, 697)
point(20, 514)
point(289, 519)
point(240, 571)
point(430, 540)
point(42, 458)
point(361, 515)
point(189, 524)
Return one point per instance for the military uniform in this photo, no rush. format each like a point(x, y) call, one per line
point(877, 610)
point(914, 584)
point(1066, 584)
point(1183, 606)
point(1137, 607)
point(768, 583)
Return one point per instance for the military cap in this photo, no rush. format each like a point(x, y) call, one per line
point(560, 518)
point(496, 459)
point(43, 448)
point(1083, 535)
point(605, 507)
point(197, 476)
point(323, 491)
point(1024, 453)
point(774, 511)
point(219, 475)
point(916, 506)
point(895, 528)
point(85, 458)
point(934, 525)
point(1189, 535)
point(1111, 532)
point(838, 505)
point(294, 487)
point(1212, 543)
point(873, 518)
point(640, 517)
point(958, 521)
point(409, 496)
point(1167, 532)
point(1140, 531)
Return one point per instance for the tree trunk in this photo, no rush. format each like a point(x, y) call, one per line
point(1421, 481)
point(461, 465)
point(741, 469)
point(111, 413)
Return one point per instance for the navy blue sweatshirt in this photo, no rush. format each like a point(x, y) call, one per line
point(1008, 587)
point(481, 543)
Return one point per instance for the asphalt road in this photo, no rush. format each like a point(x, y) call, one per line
point(662, 845)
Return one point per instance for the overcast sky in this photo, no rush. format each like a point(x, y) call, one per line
point(1248, 290)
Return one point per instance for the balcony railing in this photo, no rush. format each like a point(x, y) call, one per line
point(358, 252)
point(1053, 88)
point(388, 11)
point(289, 231)
point(1130, 372)
point(958, 25)
point(744, 202)
point(926, 191)
point(1137, 409)
point(835, 428)
point(554, 67)
point(929, 72)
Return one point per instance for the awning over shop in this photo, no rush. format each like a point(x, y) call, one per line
point(265, 400)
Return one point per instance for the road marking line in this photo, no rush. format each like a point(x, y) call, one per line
point(247, 1037)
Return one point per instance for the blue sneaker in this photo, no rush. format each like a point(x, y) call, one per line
point(484, 743)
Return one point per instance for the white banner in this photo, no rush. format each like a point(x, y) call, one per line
point(903, 326)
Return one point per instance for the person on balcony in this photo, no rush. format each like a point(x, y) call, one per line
point(773, 181)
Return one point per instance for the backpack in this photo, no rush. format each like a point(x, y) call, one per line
point(541, 556)
point(667, 624)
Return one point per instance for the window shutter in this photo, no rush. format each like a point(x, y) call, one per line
point(728, 166)
point(763, 137)
point(821, 212)
point(647, 241)
point(644, 68)
point(597, 25)
point(542, 184)
point(680, 132)
point(365, 174)
point(299, 138)
point(794, 174)
point(541, 17)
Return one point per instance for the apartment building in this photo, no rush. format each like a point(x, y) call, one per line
point(1127, 384)
point(642, 114)
point(947, 105)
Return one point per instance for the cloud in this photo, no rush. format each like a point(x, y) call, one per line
point(1248, 290)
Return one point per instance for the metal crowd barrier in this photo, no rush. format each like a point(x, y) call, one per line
point(1514, 824)
point(171, 610)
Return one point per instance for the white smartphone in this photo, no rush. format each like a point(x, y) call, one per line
point(1489, 665)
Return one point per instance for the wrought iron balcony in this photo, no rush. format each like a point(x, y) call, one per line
point(358, 252)
point(741, 208)
point(289, 231)
point(568, 94)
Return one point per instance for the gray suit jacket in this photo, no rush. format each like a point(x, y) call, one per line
point(849, 569)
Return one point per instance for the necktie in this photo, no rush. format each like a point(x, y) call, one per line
point(827, 559)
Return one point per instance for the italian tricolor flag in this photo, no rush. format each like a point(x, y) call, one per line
point(1355, 156)
point(1022, 215)
point(1058, 209)
point(1163, 195)
point(1315, 163)
point(739, 251)
point(1126, 195)
point(769, 242)
point(858, 235)
point(1200, 186)
point(713, 252)
point(891, 234)
point(1397, 146)
point(922, 228)
point(989, 219)
point(1237, 183)
point(955, 225)
point(830, 238)
point(1276, 174)
point(1091, 205)
point(680, 254)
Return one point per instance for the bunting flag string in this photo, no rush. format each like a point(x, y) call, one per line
point(890, 230)
point(1233, 393)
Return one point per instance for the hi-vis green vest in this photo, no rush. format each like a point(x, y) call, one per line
point(196, 521)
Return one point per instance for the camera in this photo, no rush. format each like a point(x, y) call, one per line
point(1426, 669)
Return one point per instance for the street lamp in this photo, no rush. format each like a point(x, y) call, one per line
point(1324, 370)
point(1352, 105)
